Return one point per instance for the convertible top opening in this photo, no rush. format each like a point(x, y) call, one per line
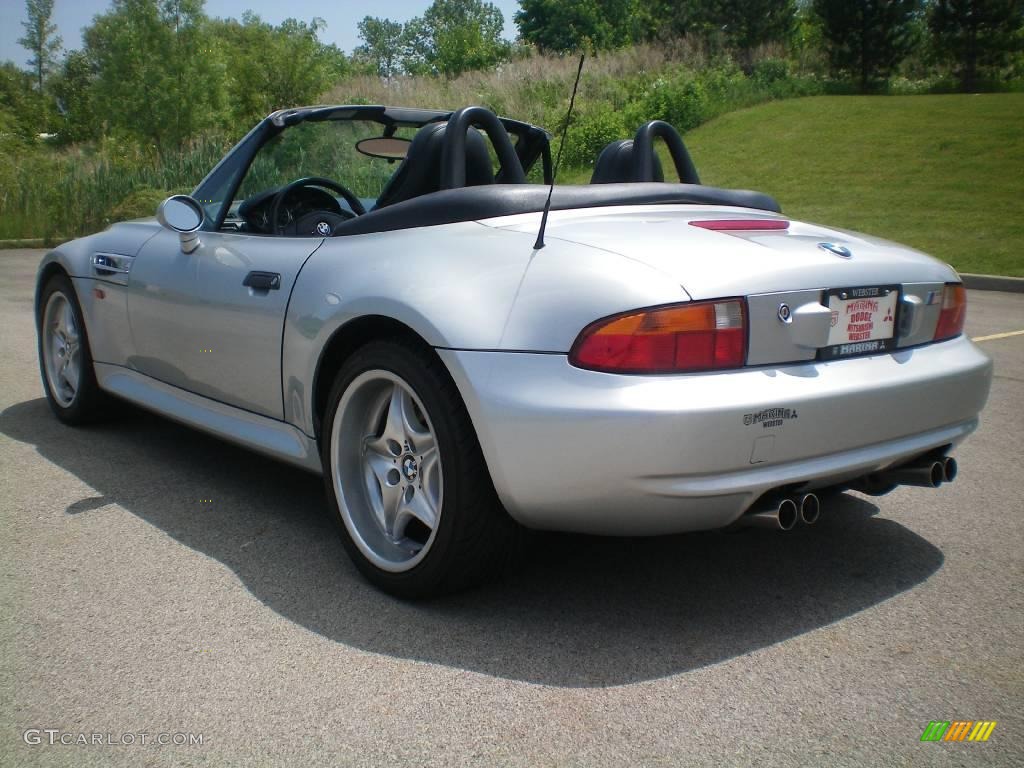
point(456, 166)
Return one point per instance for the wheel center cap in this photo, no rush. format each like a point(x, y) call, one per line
point(410, 468)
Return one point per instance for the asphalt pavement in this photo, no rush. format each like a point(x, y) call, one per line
point(158, 583)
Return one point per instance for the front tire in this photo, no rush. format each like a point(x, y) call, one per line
point(65, 359)
point(405, 475)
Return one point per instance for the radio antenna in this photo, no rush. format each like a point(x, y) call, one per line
point(558, 160)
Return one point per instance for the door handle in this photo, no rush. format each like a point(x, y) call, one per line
point(263, 281)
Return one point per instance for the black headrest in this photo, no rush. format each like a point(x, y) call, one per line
point(636, 161)
point(420, 171)
point(616, 162)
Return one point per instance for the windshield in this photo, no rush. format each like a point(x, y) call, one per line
point(324, 148)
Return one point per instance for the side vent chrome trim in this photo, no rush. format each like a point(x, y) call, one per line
point(113, 267)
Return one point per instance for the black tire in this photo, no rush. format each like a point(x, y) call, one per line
point(475, 537)
point(89, 403)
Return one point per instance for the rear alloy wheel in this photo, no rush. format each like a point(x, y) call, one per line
point(406, 477)
point(64, 356)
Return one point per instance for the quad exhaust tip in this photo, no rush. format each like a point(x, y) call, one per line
point(781, 515)
point(923, 473)
point(788, 514)
point(928, 474)
point(810, 508)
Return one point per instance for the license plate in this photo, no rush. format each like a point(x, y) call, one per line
point(863, 321)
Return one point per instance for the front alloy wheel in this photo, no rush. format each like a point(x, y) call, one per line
point(61, 340)
point(65, 359)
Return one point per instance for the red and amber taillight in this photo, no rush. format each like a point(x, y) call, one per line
point(954, 310)
point(682, 338)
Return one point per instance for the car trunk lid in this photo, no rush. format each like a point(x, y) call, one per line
point(799, 279)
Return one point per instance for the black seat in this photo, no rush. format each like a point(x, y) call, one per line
point(634, 160)
point(420, 171)
point(615, 164)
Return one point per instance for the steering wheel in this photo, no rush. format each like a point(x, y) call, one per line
point(320, 223)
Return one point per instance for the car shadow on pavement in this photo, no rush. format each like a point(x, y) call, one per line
point(574, 611)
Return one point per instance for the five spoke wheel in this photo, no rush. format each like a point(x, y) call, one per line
point(62, 360)
point(382, 432)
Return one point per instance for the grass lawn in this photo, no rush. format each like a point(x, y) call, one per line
point(944, 174)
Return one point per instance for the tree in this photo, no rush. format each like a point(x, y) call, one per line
point(273, 67)
point(21, 103)
point(41, 38)
point(159, 74)
point(563, 26)
point(456, 36)
point(868, 38)
point(383, 45)
point(747, 24)
point(974, 34)
point(72, 89)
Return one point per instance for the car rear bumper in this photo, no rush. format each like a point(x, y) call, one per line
point(578, 450)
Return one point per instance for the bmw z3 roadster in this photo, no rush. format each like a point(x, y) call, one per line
point(366, 292)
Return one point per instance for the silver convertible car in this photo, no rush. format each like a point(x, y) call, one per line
point(395, 298)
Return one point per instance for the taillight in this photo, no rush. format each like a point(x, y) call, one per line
point(954, 309)
point(698, 336)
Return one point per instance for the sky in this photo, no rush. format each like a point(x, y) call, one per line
point(341, 17)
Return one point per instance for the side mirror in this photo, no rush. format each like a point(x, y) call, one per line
point(185, 216)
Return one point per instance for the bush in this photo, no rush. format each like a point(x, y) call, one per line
point(681, 100)
point(769, 71)
point(589, 133)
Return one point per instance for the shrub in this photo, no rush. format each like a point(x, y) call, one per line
point(589, 133)
point(769, 71)
point(681, 100)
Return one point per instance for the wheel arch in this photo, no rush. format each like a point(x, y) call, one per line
point(345, 341)
point(47, 270)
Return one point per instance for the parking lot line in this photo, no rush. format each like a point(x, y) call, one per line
point(994, 336)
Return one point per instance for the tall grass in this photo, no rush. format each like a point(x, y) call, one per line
point(57, 194)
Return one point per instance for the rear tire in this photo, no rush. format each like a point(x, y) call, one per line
point(65, 359)
point(406, 478)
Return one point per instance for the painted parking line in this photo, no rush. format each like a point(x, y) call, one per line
point(995, 336)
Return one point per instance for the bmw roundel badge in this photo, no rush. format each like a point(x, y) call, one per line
point(839, 250)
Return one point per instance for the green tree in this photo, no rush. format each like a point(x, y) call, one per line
point(748, 24)
point(867, 39)
point(159, 74)
point(456, 36)
point(976, 34)
point(563, 26)
point(383, 44)
point(22, 105)
point(270, 67)
point(72, 89)
point(41, 38)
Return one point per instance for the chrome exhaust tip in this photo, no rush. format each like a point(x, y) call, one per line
point(810, 508)
point(788, 514)
point(949, 469)
point(782, 516)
